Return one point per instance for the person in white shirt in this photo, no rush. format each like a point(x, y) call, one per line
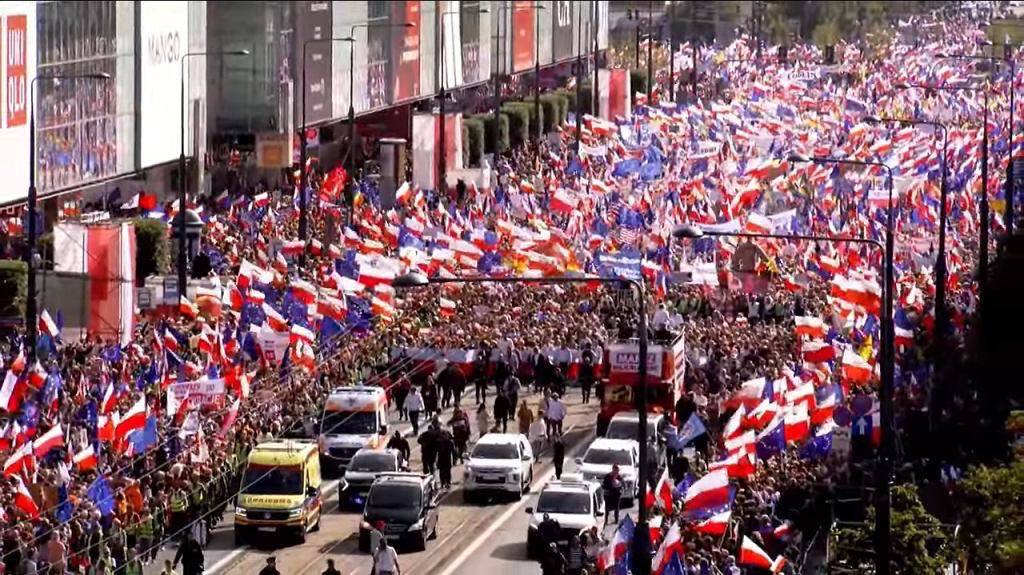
point(555, 414)
point(660, 319)
point(385, 560)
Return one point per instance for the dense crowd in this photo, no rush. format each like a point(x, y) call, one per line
point(105, 493)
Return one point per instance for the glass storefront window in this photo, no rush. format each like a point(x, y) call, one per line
point(76, 120)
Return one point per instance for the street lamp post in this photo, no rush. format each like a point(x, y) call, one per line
point(303, 178)
point(537, 7)
point(1009, 61)
point(882, 513)
point(641, 546)
point(351, 39)
point(883, 504)
point(650, 51)
point(182, 178)
point(983, 207)
point(671, 50)
point(941, 270)
point(31, 304)
point(579, 77)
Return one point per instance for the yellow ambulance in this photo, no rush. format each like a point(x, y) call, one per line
point(280, 491)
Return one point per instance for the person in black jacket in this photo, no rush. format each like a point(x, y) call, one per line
point(452, 379)
point(271, 567)
point(446, 455)
point(553, 562)
point(502, 410)
point(400, 444)
point(190, 556)
point(429, 442)
point(558, 456)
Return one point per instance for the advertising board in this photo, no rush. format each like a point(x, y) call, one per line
point(313, 35)
point(407, 82)
point(562, 26)
point(18, 62)
point(523, 39)
point(164, 31)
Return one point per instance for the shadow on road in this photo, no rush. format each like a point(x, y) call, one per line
point(510, 551)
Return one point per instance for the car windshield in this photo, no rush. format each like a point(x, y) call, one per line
point(626, 429)
point(394, 496)
point(563, 502)
point(272, 480)
point(607, 457)
point(372, 462)
point(495, 451)
point(349, 423)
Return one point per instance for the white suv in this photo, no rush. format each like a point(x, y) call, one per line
point(602, 454)
point(575, 504)
point(499, 463)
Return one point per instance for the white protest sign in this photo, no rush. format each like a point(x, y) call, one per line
point(194, 393)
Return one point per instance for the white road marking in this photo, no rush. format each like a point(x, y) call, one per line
point(503, 518)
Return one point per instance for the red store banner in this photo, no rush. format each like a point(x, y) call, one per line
point(523, 40)
point(407, 83)
point(16, 76)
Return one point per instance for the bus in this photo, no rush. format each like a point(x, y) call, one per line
point(666, 367)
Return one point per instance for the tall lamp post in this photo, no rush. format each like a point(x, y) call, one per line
point(442, 170)
point(579, 76)
point(650, 51)
point(941, 270)
point(1008, 61)
point(883, 504)
point(882, 521)
point(182, 178)
point(983, 207)
point(303, 178)
point(537, 7)
point(31, 304)
point(351, 39)
point(641, 546)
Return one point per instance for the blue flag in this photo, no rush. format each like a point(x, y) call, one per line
point(771, 443)
point(675, 566)
point(101, 496)
point(818, 447)
point(63, 512)
point(144, 438)
point(692, 429)
point(111, 354)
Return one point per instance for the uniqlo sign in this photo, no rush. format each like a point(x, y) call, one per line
point(17, 68)
point(15, 54)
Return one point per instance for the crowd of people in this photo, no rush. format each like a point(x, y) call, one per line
point(101, 471)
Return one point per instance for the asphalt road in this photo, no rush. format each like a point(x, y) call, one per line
point(461, 527)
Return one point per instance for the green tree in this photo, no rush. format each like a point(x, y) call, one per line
point(919, 544)
point(992, 511)
point(152, 248)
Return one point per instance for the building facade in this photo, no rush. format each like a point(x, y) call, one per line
point(176, 80)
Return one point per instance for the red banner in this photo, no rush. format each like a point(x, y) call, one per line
point(16, 80)
point(407, 85)
point(523, 20)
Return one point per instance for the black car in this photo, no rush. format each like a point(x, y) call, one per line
point(405, 506)
point(366, 465)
